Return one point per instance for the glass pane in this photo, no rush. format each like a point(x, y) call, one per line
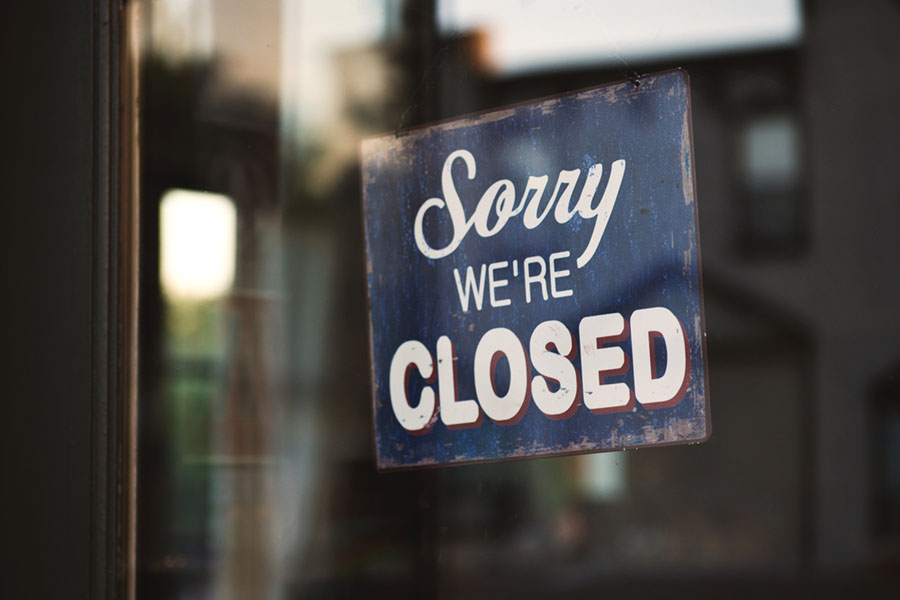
point(256, 475)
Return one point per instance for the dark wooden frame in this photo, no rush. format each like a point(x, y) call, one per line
point(68, 120)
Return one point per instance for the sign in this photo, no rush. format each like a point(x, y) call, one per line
point(534, 279)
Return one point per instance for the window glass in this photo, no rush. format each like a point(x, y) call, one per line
point(256, 475)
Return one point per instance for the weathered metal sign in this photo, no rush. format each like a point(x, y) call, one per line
point(534, 279)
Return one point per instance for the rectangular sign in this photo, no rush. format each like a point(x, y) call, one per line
point(534, 279)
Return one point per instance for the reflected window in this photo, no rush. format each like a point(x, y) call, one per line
point(770, 153)
point(768, 171)
point(769, 180)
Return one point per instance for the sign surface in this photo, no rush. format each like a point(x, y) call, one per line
point(534, 279)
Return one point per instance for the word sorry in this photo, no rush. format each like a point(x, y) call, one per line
point(501, 196)
point(551, 350)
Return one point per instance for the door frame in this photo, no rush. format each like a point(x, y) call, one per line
point(69, 122)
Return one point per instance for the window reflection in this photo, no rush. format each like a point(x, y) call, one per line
point(197, 244)
point(604, 477)
point(770, 153)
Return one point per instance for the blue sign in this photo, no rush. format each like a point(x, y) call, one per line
point(534, 279)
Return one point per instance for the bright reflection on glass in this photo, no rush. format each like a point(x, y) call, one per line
point(547, 34)
point(603, 476)
point(182, 29)
point(197, 238)
point(770, 150)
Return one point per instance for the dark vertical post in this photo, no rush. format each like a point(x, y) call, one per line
point(423, 59)
point(60, 229)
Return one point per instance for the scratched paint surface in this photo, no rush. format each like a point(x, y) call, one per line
point(648, 256)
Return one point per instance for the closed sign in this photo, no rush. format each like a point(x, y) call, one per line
point(534, 279)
